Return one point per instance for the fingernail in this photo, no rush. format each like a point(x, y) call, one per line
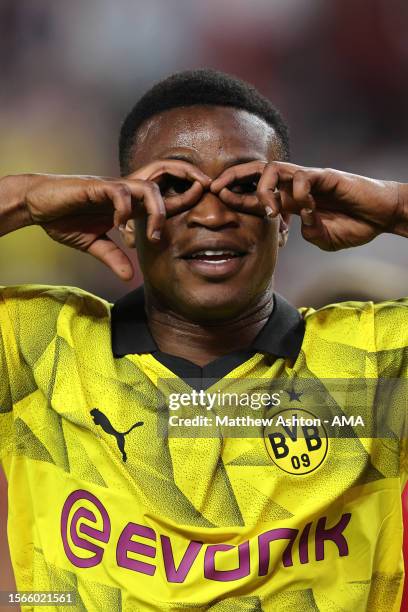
point(156, 235)
point(129, 227)
point(307, 216)
point(269, 211)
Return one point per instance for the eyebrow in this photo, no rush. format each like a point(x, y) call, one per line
point(233, 162)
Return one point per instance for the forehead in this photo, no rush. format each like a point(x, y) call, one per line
point(205, 134)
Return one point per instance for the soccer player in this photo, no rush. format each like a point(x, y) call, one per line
point(100, 502)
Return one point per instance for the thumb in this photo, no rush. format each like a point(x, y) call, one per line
point(108, 252)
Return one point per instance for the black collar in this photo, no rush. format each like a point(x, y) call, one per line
point(281, 336)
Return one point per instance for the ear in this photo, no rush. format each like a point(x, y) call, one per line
point(127, 233)
point(284, 221)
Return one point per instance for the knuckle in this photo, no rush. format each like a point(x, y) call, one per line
point(152, 187)
point(331, 172)
point(122, 189)
point(262, 195)
point(300, 175)
point(224, 180)
point(162, 167)
point(270, 172)
point(96, 191)
point(262, 189)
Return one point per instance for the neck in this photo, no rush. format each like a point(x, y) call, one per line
point(203, 342)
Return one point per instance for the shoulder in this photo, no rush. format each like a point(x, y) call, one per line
point(348, 323)
point(391, 324)
point(375, 326)
point(35, 313)
point(52, 298)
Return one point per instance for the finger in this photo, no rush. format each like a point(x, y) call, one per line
point(178, 203)
point(308, 217)
point(250, 204)
point(155, 209)
point(179, 168)
point(302, 188)
point(267, 190)
point(183, 170)
point(237, 172)
point(107, 197)
point(281, 176)
point(121, 197)
point(149, 194)
point(286, 170)
point(238, 200)
point(313, 230)
point(246, 203)
point(104, 249)
point(128, 233)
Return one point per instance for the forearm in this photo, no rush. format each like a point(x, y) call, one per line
point(13, 212)
point(401, 225)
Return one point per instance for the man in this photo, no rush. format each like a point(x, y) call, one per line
point(103, 504)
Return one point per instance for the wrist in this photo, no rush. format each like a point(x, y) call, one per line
point(14, 213)
point(400, 226)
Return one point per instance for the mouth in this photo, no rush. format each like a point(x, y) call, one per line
point(213, 257)
point(215, 263)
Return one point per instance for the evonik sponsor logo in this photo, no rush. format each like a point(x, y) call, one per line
point(300, 545)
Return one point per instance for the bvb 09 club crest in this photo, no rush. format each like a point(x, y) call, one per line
point(296, 441)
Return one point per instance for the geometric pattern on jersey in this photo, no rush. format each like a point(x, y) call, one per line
point(207, 491)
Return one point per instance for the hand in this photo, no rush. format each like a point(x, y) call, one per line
point(181, 185)
point(338, 210)
point(78, 211)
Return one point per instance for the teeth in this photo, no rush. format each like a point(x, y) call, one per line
point(212, 253)
point(218, 261)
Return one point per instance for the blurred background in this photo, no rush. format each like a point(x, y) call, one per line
point(337, 71)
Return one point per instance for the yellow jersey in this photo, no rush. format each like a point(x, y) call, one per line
point(103, 505)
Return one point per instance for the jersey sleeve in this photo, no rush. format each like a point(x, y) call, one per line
point(28, 327)
point(391, 354)
point(391, 338)
point(6, 404)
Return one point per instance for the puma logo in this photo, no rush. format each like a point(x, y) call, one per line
point(102, 420)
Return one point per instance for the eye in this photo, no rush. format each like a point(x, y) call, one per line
point(172, 186)
point(243, 186)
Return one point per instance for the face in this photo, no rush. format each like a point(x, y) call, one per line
point(243, 247)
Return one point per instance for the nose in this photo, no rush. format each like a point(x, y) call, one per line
point(212, 213)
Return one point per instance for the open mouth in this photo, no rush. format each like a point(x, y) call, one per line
point(215, 262)
point(212, 256)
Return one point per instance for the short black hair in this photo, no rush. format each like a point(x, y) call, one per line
point(199, 87)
